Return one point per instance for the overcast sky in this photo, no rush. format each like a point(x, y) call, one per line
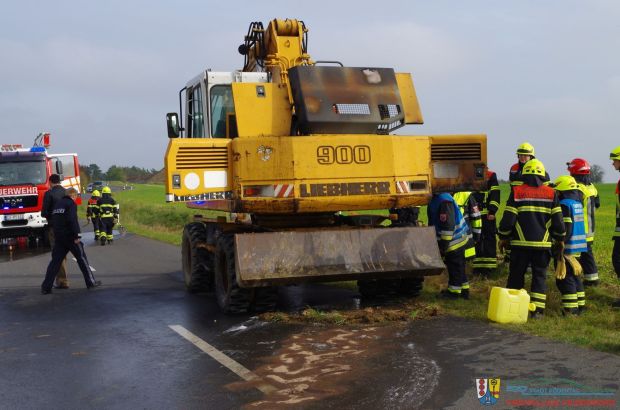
point(100, 76)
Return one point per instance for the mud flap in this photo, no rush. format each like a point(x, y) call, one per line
point(278, 258)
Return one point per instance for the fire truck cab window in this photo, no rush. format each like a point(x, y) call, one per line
point(68, 167)
point(195, 113)
point(22, 172)
point(222, 111)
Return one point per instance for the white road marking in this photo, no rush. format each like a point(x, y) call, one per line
point(91, 268)
point(224, 360)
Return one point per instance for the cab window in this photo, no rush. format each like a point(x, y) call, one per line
point(68, 166)
point(223, 122)
point(195, 113)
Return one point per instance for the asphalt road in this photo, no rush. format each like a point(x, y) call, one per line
point(125, 346)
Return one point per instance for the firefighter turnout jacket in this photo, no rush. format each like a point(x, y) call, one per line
point(451, 227)
point(107, 207)
point(532, 216)
point(488, 201)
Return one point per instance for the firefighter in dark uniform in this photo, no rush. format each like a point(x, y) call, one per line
point(108, 214)
point(486, 249)
point(615, 254)
point(455, 242)
point(525, 152)
point(51, 198)
point(579, 169)
point(575, 244)
point(67, 231)
point(531, 218)
point(92, 213)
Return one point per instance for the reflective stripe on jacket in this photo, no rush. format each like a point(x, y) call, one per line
point(575, 240)
point(532, 216)
point(451, 228)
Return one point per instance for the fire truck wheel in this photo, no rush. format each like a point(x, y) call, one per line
point(196, 259)
point(230, 297)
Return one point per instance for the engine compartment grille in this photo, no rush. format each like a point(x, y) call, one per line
point(202, 157)
point(456, 152)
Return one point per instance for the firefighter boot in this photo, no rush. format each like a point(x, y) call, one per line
point(102, 241)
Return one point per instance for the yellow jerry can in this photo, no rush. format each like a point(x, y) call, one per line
point(509, 305)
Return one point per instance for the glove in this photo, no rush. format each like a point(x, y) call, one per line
point(115, 221)
point(88, 219)
point(503, 245)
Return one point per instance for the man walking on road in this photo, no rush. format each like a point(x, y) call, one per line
point(50, 200)
point(67, 232)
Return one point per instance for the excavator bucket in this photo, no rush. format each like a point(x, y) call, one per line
point(279, 258)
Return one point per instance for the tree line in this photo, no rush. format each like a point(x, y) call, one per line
point(93, 172)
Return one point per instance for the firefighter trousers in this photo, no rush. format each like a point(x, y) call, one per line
point(572, 290)
point(61, 279)
point(520, 259)
point(590, 270)
point(107, 225)
point(59, 252)
point(615, 256)
point(457, 278)
point(96, 226)
point(486, 249)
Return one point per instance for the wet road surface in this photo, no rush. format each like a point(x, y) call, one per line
point(113, 347)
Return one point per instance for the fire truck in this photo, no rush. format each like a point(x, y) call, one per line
point(24, 180)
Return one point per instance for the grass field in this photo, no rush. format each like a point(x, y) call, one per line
point(144, 211)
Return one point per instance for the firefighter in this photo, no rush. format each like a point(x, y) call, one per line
point(575, 244)
point(108, 214)
point(67, 232)
point(486, 248)
point(471, 212)
point(455, 243)
point(615, 254)
point(580, 170)
point(92, 213)
point(531, 216)
point(51, 198)
point(525, 152)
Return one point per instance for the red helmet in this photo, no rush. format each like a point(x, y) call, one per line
point(578, 166)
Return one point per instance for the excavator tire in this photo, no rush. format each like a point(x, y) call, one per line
point(265, 299)
point(197, 261)
point(372, 289)
point(230, 297)
point(410, 287)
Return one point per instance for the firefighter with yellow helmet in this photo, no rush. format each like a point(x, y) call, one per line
point(532, 217)
point(525, 152)
point(92, 213)
point(108, 213)
point(568, 267)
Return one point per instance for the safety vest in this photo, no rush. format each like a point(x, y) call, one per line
point(589, 193)
point(457, 236)
point(470, 212)
point(577, 241)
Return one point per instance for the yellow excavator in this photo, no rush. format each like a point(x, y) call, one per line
point(298, 156)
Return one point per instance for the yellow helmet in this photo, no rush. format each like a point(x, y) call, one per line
point(565, 183)
point(526, 149)
point(106, 190)
point(96, 193)
point(534, 167)
point(615, 153)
